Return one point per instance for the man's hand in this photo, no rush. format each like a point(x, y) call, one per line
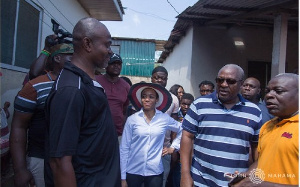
point(23, 178)
point(186, 180)
point(124, 183)
point(167, 150)
point(244, 182)
point(5, 108)
point(6, 105)
point(50, 41)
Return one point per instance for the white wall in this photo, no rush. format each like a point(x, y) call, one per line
point(178, 63)
point(214, 47)
point(67, 13)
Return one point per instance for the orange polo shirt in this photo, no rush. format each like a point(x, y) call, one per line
point(278, 148)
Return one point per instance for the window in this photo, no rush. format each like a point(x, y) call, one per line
point(20, 25)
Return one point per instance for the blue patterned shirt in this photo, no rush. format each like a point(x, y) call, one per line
point(222, 138)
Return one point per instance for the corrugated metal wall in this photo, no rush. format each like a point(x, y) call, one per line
point(138, 57)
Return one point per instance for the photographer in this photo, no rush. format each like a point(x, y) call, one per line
point(40, 66)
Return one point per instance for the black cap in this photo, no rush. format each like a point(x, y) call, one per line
point(115, 57)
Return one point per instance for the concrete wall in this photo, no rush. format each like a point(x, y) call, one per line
point(214, 47)
point(67, 13)
point(178, 63)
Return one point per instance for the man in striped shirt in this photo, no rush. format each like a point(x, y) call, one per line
point(28, 126)
point(223, 126)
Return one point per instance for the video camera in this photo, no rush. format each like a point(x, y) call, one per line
point(61, 35)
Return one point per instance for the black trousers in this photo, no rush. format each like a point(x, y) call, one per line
point(148, 181)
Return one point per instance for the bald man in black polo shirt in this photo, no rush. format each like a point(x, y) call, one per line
point(83, 144)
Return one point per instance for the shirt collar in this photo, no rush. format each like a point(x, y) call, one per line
point(97, 84)
point(141, 112)
point(84, 76)
point(294, 118)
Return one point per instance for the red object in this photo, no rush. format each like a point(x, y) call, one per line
point(287, 135)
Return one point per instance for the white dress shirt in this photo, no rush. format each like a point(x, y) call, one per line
point(142, 143)
point(173, 109)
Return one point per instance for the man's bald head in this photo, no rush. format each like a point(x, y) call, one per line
point(239, 71)
point(87, 27)
point(91, 41)
point(254, 80)
point(293, 78)
point(282, 95)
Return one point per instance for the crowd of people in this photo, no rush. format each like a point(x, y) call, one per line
point(74, 127)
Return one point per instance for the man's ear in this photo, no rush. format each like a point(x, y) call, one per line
point(57, 58)
point(87, 44)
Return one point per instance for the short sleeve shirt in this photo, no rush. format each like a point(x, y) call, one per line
point(222, 137)
point(31, 99)
point(279, 143)
point(117, 93)
point(81, 126)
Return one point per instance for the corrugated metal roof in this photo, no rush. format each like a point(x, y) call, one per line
point(230, 13)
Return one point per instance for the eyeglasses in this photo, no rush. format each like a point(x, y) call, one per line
point(228, 81)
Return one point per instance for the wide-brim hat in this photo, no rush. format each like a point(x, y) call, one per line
point(164, 96)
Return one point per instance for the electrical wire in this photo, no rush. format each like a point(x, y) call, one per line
point(173, 7)
point(151, 15)
point(52, 17)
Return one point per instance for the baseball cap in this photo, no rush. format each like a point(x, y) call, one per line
point(115, 57)
point(62, 48)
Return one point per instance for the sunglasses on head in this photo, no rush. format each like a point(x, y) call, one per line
point(229, 81)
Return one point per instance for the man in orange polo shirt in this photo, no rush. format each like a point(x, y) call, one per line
point(278, 145)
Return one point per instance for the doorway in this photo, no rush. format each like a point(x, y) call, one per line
point(262, 71)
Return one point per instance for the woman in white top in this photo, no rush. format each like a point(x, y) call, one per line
point(143, 136)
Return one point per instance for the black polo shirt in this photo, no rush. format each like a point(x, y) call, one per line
point(80, 125)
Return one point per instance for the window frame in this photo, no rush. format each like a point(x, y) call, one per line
point(12, 65)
